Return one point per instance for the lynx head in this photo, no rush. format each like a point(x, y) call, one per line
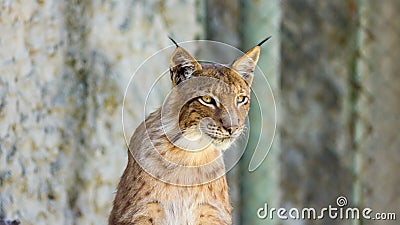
point(209, 101)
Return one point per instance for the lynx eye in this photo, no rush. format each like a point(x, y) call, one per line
point(207, 100)
point(241, 99)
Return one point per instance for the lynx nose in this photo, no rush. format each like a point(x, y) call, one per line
point(231, 129)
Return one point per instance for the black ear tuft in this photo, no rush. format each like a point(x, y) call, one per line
point(173, 41)
point(263, 41)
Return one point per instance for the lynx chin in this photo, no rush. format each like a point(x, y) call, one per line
point(175, 173)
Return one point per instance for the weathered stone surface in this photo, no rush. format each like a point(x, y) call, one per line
point(318, 54)
point(377, 139)
point(39, 127)
point(64, 69)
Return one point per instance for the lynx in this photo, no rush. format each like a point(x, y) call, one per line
point(175, 173)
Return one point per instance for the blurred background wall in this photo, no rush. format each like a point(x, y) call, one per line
point(333, 67)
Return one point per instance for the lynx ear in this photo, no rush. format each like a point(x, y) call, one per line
point(182, 65)
point(246, 64)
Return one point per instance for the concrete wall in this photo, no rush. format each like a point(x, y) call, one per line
point(339, 85)
point(377, 141)
point(318, 56)
point(64, 68)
